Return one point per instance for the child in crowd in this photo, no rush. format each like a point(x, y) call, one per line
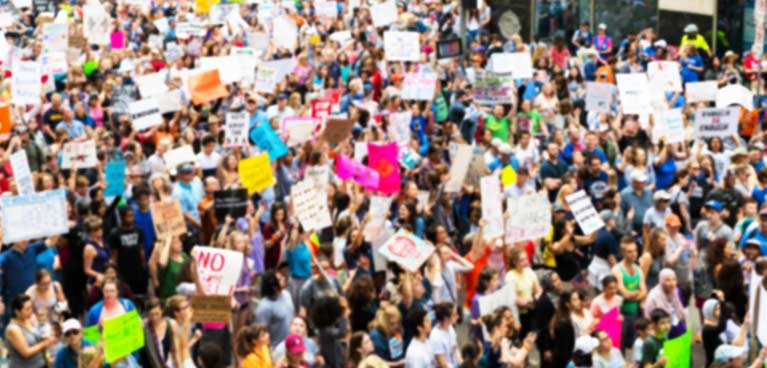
point(643, 328)
point(653, 344)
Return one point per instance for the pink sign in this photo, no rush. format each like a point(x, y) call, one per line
point(117, 40)
point(347, 168)
point(383, 158)
point(612, 325)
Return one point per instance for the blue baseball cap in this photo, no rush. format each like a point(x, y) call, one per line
point(714, 205)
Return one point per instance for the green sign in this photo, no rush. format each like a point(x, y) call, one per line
point(677, 350)
point(123, 335)
point(92, 334)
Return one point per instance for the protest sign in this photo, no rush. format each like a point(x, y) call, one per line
point(247, 58)
point(318, 175)
point(419, 86)
point(399, 127)
point(92, 334)
point(492, 202)
point(407, 250)
point(337, 130)
point(503, 297)
point(169, 101)
point(669, 125)
point(383, 159)
point(258, 40)
point(21, 173)
point(25, 83)
point(167, 218)
point(298, 129)
point(584, 212)
point(218, 269)
point(321, 108)
point(285, 33)
point(379, 207)
point(145, 113)
point(266, 139)
point(449, 48)
point(122, 335)
point(151, 84)
point(633, 91)
point(458, 168)
point(281, 67)
point(266, 79)
point(206, 86)
point(324, 8)
point(97, 25)
point(599, 96)
point(5, 121)
point(22, 4)
point(77, 41)
point(185, 30)
point(491, 89)
point(518, 64)
point(115, 177)
point(117, 40)
point(735, 94)
point(310, 206)
point(477, 167)
point(347, 168)
point(178, 156)
point(529, 217)
point(716, 122)
point(342, 37)
point(48, 209)
point(211, 308)
point(402, 46)
point(611, 324)
point(232, 202)
point(678, 351)
point(55, 37)
point(384, 13)
point(236, 129)
point(701, 91)
point(256, 173)
point(81, 154)
point(665, 76)
point(229, 68)
point(54, 62)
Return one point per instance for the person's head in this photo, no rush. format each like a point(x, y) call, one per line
point(271, 284)
point(638, 178)
point(71, 330)
point(629, 249)
point(154, 311)
point(712, 309)
point(518, 259)
point(360, 346)
point(584, 348)
point(609, 286)
point(667, 281)
point(294, 349)
point(43, 280)
point(210, 355)
point(713, 210)
point(387, 320)
point(418, 323)
point(445, 314)
point(208, 143)
point(251, 338)
point(362, 291)
point(661, 200)
point(110, 291)
point(21, 307)
point(488, 281)
point(298, 326)
point(642, 327)
point(278, 213)
point(661, 321)
point(178, 307)
point(212, 185)
point(605, 343)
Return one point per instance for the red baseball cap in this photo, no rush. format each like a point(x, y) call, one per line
point(294, 344)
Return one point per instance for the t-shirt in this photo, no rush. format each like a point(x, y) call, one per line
point(128, 244)
point(470, 278)
point(613, 360)
point(276, 314)
point(523, 283)
point(419, 355)
point(499, 128)
point(444, 342)
point(651, 349)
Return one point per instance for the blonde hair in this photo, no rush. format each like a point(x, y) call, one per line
point(386, 313)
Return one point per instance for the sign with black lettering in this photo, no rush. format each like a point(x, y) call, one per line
point(449, 48)
point(145, 113)
point(716, 122)
point(584, 212)
point(232, 202)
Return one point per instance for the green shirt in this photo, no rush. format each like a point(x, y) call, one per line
point(499, 128)
point(168, 277)
point(631, 283)
point(652, 349)
point(529, 122)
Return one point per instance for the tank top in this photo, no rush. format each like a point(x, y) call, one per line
point(631, 283)
point(44, 302)
point(652, 277)
point(15, 359)
point(101, 260)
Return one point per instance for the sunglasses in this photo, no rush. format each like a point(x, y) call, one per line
point(72, 333)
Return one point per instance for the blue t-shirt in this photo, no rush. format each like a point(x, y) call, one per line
point(189, 195)
point(664, 174)
point(759, 195)
point(390, 349)
point(299, 261)
point(689, 75)
point(144, 222)
point(755, 234)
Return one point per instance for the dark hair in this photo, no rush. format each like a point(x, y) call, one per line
point(270, 285)
point(443, 311)
point(414, 319)
point(355, 342)
point(207, 139)
point(326, 311)
point(152, 303)
point(730, 277)
point(244, 344)
point(209, 355)
point(658, 314)
point(18, 303)
point(562, 312)
point(641, 324)
point(40, 274)
point(609, 279)
point(470, 352)
point(485, 277)
point(359, 292)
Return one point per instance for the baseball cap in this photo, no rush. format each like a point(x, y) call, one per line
point(185, 168)
point(294, 344)
point(282, 96)
point(691, 28)
point(639, 176)
point(759, 146)
point(586, 344)
point(505, 149)
point(714, 205)
point(71, 325)
point(602, 26)
point(661, 195)
point(496, 142)
point(725, 353)
point(660, 43)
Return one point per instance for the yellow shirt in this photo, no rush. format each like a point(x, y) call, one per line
point(258, 359)
point(699, 42)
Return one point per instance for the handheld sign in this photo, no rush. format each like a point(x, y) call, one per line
point(407, 250)
point(168, 218)
point(211, 308)
point(584, 212)
point(233, 202)
point(123, 335)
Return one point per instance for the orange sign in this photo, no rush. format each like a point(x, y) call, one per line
point(206, 86)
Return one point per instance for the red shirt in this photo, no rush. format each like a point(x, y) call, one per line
point(750, 62)
point(470, 278)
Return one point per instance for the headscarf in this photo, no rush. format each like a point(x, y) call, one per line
point(709, 307)
point(548, 287)
point(659, 299)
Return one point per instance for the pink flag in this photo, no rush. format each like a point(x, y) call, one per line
point(117, 41)
point(612, 325)
point(383, 158)
point(349, 169)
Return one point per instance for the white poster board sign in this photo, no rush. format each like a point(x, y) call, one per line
point(21, 173)
point(735, 94)
point(701, 91)
point(310, 205)
point(492, 206)
point(25, 83)
point(34, 216)
point(236, 129)
point(145, 113)
point(218, 269)
point(519, 64)
point(81, 154)
point(669, 125)
point(379, 207)
point(151, 84)
point(633, 91)
point(402, 46)
point(419, 86)
point(503, 297)
point(584, 212)
point(599, 96)
point(178, 156)
point(529, 217)
point(665, 76)
point(458, 168)
point(716, 122)
point(384, 13)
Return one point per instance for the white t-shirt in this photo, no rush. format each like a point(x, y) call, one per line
point(419, 355)
point(208, 161)
point(444, 342)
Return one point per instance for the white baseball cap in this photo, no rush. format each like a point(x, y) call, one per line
point(586, 344)
point(71, 325)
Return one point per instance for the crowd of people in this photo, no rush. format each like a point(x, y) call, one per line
point(683, 243)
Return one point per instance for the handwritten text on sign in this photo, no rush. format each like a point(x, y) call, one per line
point(218, 269)
point(168, 218)
point(407, 250)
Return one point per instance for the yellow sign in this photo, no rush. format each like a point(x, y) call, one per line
point(256, 173)
point(508, 176)
point(122, 335)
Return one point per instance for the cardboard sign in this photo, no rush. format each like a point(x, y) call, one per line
point(232, 202)
point(298, 129)
point(633, 91)
point(77, 41)
point(669, 125)
point(81, 154)
point(25, 83)
point(458, 167)
point(236, 129)
point(21, 173)
point(337, 130)
point(701, 91)
point(168, 218)
point(419, 86)
point(48, 209)
point(115, 176)
point(599, 96)
point(584, 212)
point(310, 205)
point(347, 168)
point(384, 13)
point(218, 269)
point(178, 156)
point(123, 335)
point(665, 75)
point(449, 48)
point(519, 64)
point(407, 250)
point(529, 217)
point(256, 173)
point(716, 122)
point(492, 210)
point(211, 308)
point(266, 139)
point(402, 46)
point(492, 89)
point(503, 297)
point(145, 113)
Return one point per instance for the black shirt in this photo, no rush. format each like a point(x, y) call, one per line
point(128, 243)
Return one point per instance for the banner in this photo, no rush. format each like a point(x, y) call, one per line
point(266, 139)
point(529, 217)
point(211, 308)
point(256, 173)
point(145, 113)
point(310, 206)
point(611, 324)
point(218, 269)
point(384, 13)
point(407, 250)
point(402, 46)
point(48, 209)
point(503, 297)
point(669, 125)
point(461, 158)
point(419, 86)
point(21, 173)
point(735, 94)
point(81, 154)
point(206, 86)
point(584, 212)
point(298, 129)
point(26, 85)
point(599, 96)
point(347, 168)
point(115, 177)
point(337, 130)
point(97, 25)
point(492, 89)
point(519, 64)
point(122, 335)
point(383, 159)
point(701, 91)
point(716, 122)
point(236, 129)
point(678, 351)
point(665, 75)
point(492, 206)
point(168, 218)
